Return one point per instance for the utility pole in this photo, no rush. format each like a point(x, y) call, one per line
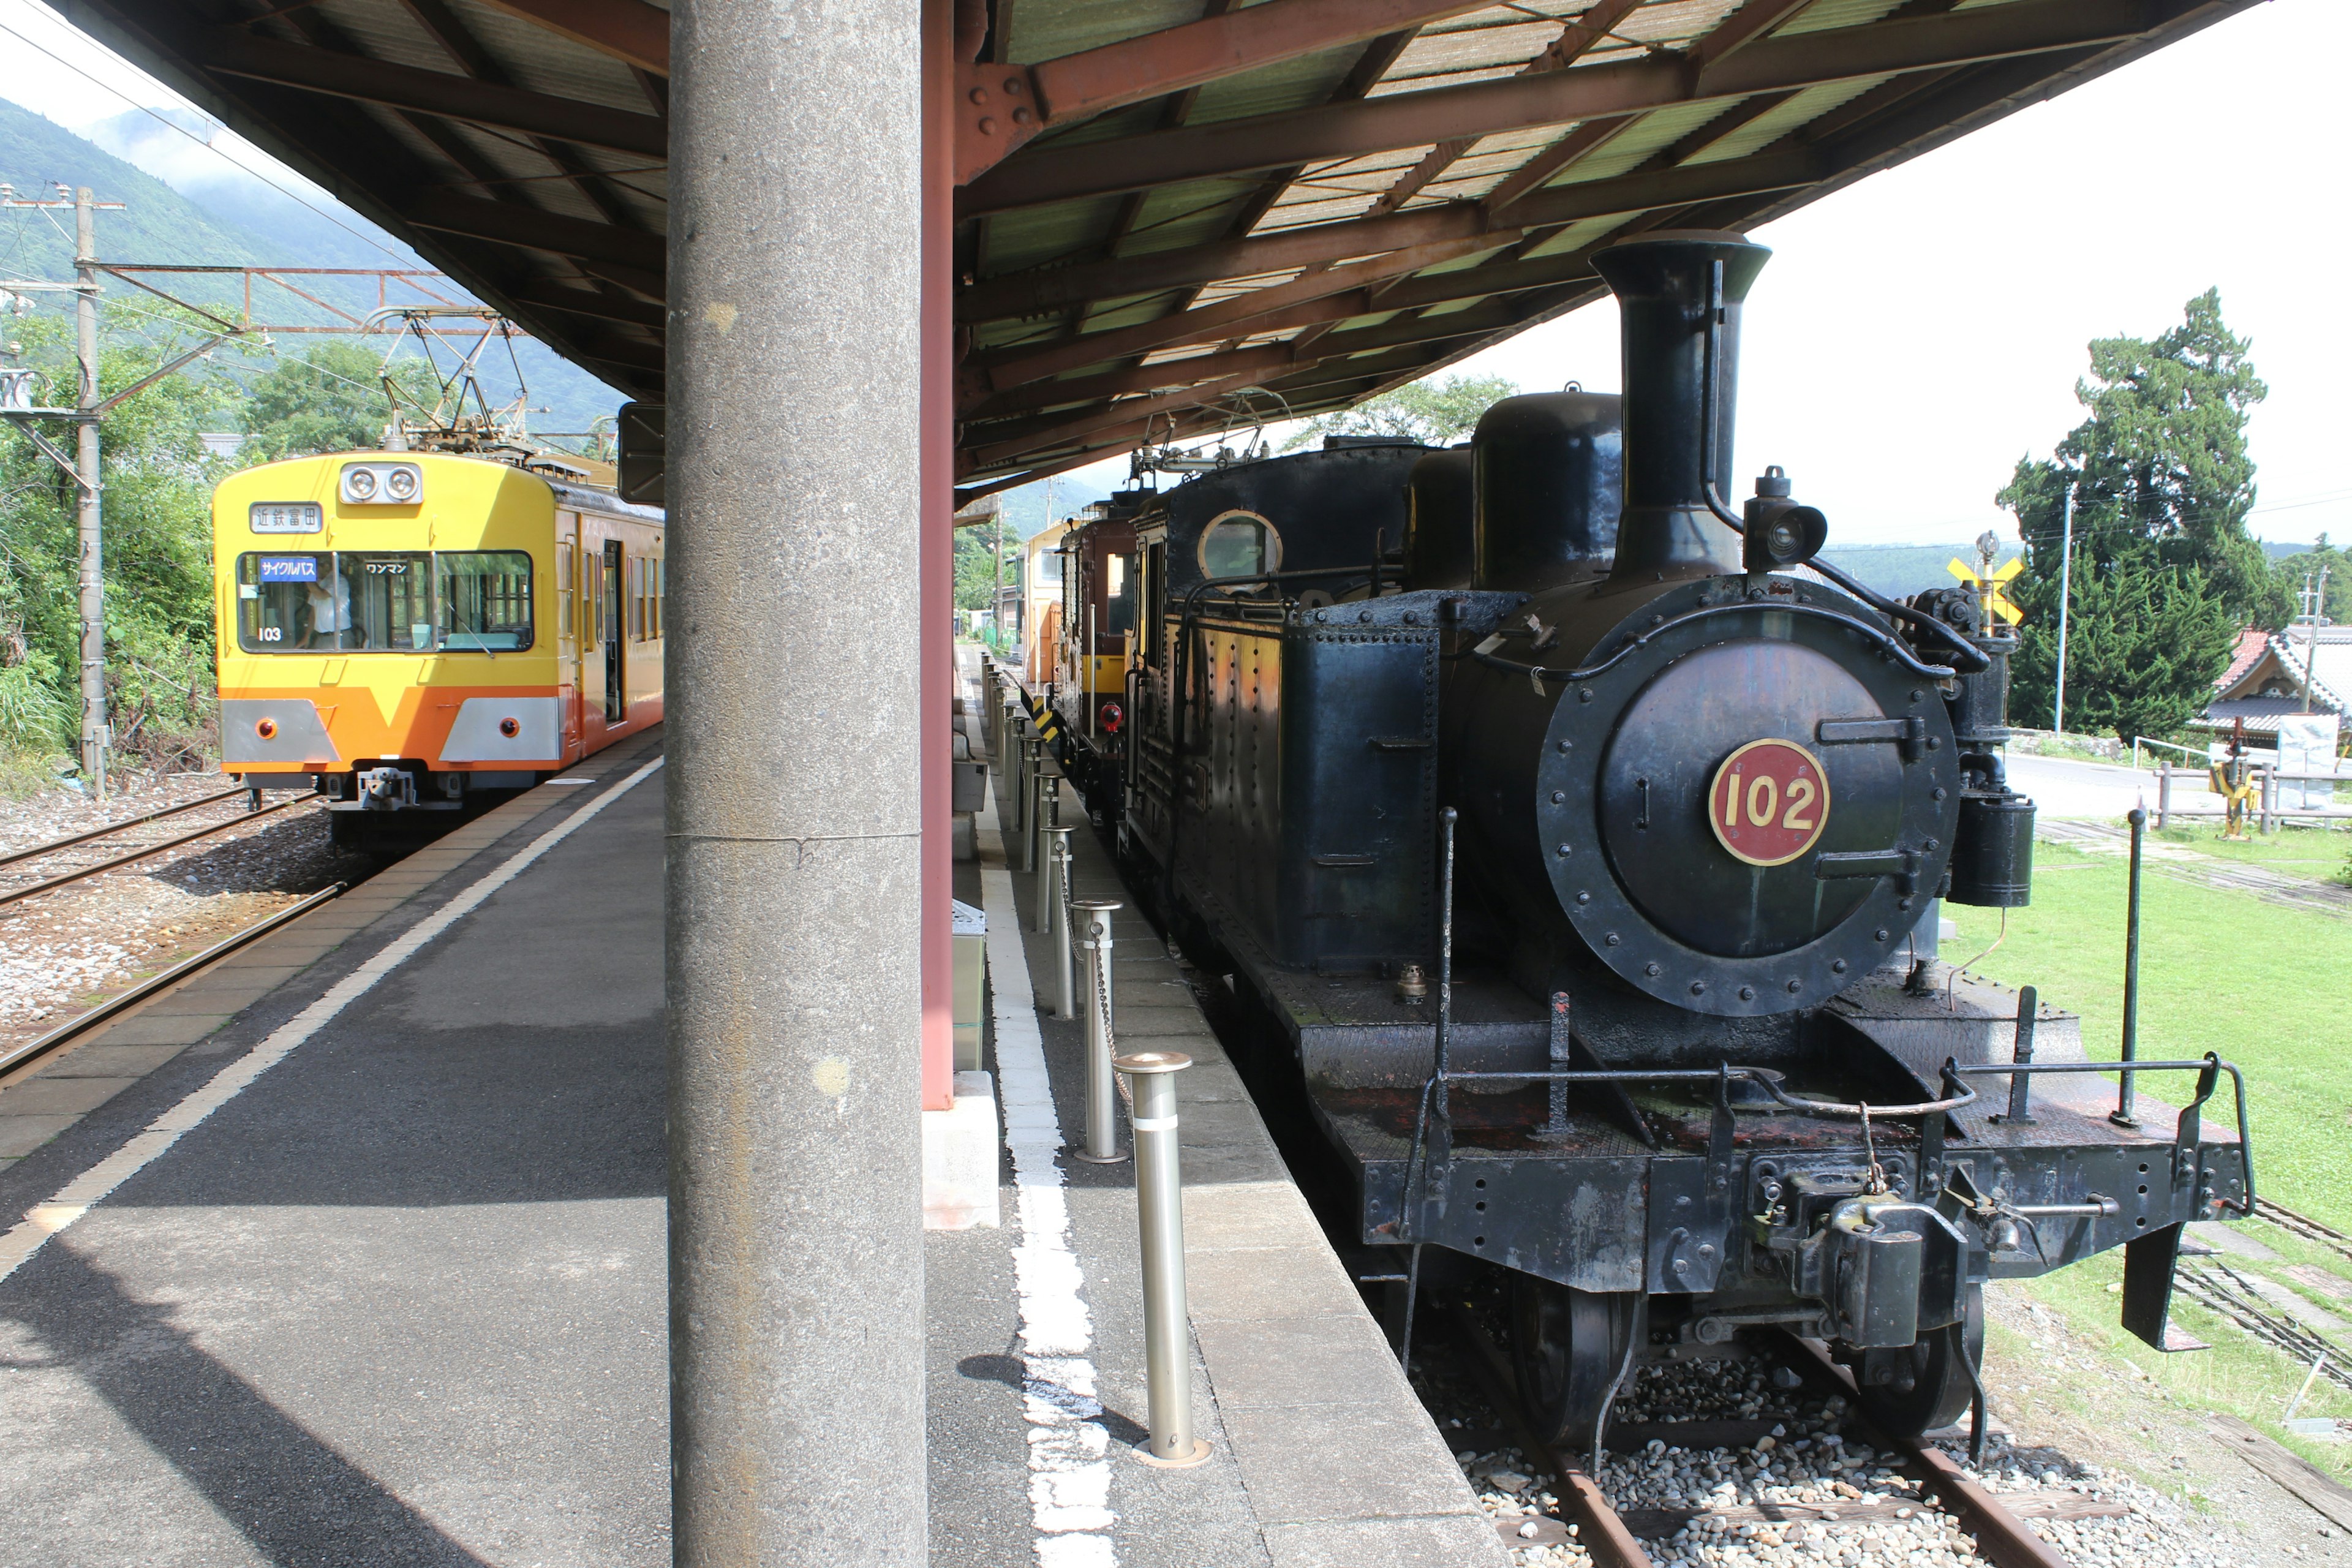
point(2315, 603)
point(2065, 572)
point(95, 735)
point(83, 467)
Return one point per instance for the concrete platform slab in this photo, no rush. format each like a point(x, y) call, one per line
point(21, 1135)
point(111, 1062)
point(57, 1096)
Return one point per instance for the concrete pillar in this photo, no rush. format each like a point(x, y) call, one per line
point(796, 877)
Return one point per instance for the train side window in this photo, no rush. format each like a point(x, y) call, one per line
point(289, 603)
point(1239, 544)
point(1119, 595)
point(592, 595)
point(486, 600)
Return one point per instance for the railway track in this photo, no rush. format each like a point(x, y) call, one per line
point(82, 1023)
point(2304, 1225)
point(99, 838)
point(1990, 1528)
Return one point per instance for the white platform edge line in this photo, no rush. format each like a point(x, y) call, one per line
point(76, 1198)
point(1069, 1447)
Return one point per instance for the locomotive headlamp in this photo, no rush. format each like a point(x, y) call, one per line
point(382, 484)
point(1780, 533)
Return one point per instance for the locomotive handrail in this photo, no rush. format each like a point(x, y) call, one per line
point(1857, 1112)
point(1887, 641)
point(2210, 1065)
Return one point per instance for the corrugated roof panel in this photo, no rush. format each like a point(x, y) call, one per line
point(1674, 23)
point(1294, 84)
point(1822, 16)
point(548, 62)
point(1577, 236)
point(1770, 126)
point(1654, 132)
point(1035, 236)
point(1433, 55)
point(1047, 29)
point(1191, 214)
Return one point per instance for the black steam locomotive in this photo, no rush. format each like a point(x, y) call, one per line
point(1585, 851)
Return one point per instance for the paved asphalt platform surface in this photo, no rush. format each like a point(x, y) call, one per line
point(356, 1255)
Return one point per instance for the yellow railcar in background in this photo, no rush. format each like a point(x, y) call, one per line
point(404, 629)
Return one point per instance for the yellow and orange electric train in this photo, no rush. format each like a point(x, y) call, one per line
point(407, 629)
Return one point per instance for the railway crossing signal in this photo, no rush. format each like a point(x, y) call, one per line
point(1992, 587)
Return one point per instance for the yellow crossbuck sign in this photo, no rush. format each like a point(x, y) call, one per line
point(1993, 590)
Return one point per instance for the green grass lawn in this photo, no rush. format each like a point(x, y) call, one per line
point(2268, 988)
point(2318, 853)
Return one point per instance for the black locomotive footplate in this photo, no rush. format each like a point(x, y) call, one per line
point(1596, 1210)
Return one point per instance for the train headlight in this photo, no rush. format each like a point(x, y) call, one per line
point(382, 484)
point(267, 728)
point(509, 728)
point(1780, 533)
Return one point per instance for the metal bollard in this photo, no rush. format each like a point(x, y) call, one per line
point(1024, 801)
point(1102, 1090)
point(1065, 1004)
point(1160, 1208)
point(2125, 1113)
point(1042, 920)
point(1049, 811)
point(2163, 792)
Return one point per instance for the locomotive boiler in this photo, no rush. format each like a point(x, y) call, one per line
point(1583, 858)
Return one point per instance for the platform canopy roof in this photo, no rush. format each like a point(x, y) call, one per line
point(1173, 214)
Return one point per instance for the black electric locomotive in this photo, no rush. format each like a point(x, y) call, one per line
point(1586, 851)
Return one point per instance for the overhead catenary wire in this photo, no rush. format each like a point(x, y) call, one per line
point(183, 130)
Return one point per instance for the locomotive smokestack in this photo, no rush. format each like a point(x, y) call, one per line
point(1679, 293)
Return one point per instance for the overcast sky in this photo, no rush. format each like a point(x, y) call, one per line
point(1916, 334)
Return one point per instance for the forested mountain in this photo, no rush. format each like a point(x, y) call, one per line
point(185, 201)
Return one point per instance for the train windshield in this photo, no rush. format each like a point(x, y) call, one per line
point(388, 601)
point(1239, 544)
point(380, 601)
point(485, 600)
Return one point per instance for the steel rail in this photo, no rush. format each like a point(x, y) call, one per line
point(2002, 1539)
point(1600, 1529)
point(54, 845)
point(2304, 1225)
point(83, 1023)
point(58, 882)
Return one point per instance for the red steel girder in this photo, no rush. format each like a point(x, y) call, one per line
point(1000, 106)
point(1403, 119)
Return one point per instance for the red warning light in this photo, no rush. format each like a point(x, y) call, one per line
point(267, 728)
point(1111, 717)
point(510, 729)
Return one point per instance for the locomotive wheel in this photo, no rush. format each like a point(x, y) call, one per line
point(1567, 1345)
point(1926, 1385)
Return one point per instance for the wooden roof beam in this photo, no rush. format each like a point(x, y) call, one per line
point(234, 52)
point(1398, 120)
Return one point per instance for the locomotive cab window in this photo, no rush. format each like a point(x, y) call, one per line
point(485, 600)
point(1239, 544)
point(1119, 595)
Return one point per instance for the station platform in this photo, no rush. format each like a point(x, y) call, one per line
point(352, 1250)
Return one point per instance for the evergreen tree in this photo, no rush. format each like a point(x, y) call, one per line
point(1435, 412)
point(2165, 573)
